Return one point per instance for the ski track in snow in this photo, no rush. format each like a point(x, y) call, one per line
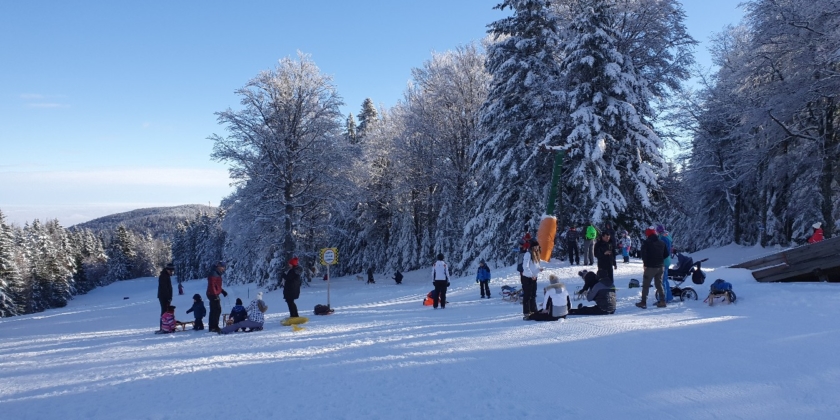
point(383, 355)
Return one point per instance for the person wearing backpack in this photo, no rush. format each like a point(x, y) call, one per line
point(440, 279)
point(589, 244)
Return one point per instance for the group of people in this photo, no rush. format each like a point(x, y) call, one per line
point(250, 319)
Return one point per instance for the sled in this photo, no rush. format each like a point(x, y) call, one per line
point(294, 321)
point(183, 325)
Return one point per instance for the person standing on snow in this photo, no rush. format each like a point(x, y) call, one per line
point(214, 289)
point(590, 235)
point(604, 254)
point(665, 237)
point(653, 257)
point(440, 278)
point(291, 286)
point(482, 277)
point(818, 234)
point(165, 287)
point(530, 270)
point(370, 276)
point(572, 237)
point(624, 243)
point(613, 242)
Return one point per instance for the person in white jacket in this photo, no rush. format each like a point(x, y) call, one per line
point(556, 302)
point(440, 278)
point(530, 270)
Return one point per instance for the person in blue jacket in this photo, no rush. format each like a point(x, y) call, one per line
point(482, 277)
point(665, 237)
point(199, 311)
point(238, 313)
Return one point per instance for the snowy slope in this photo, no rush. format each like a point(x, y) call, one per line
point(382, 355)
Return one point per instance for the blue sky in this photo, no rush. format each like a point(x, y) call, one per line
point(106, 106)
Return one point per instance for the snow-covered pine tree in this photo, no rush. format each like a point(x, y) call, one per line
point(368, 117)
point(120, 256)
point(9, 274)
point(523, 108)
point(350, 129)
point(614, 161)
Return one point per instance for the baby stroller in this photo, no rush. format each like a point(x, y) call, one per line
point(686, 266)
point(511, 293)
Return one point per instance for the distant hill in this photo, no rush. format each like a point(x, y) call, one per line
point(161, 222)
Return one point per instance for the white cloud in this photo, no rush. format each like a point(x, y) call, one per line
point(161, 177)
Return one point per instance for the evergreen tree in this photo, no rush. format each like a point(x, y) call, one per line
point(368, 117)
point(120, 256)
point(9, 274)
point(350, 129)
point(522, 111)
point(614, 161)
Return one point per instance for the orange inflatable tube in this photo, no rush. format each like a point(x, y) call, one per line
point(545, 236)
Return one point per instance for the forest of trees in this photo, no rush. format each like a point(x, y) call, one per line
point(43, 265)
point(462, 164)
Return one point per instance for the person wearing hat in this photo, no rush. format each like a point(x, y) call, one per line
point(598, 290)
point(291, 285)
point(818, 233)
point(167, 320)
point(165, 287)
point(199, 311)
point(482, 277)
point(604, 251)
point(556, 303)
point(654, 253)
point(247, 320)
point(214, 289)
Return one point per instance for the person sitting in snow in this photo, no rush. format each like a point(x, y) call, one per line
point(198, 311)
point(238, 313)
point(599, 290)
point(167, 321)
point(556, 303)
point(255, 318)
point(818, 234)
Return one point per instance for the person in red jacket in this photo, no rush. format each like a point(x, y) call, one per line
point(214, 289)
point(818, 234)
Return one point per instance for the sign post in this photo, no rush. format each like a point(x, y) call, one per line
point(329, 256)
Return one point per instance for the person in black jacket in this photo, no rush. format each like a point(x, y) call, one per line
point(598, 290)
point(398, 277)
point(165, 287)
point(654, 252)
point(291, 286)
point(604, 254)
point(370, 276)
point(572, 247)
point(613, 241)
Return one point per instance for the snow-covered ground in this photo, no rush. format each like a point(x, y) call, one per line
point(774, 354)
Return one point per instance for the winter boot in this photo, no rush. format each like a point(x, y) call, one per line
point(642, 305)
point(661, 304)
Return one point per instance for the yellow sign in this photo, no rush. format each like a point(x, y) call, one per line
point(329, 256)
